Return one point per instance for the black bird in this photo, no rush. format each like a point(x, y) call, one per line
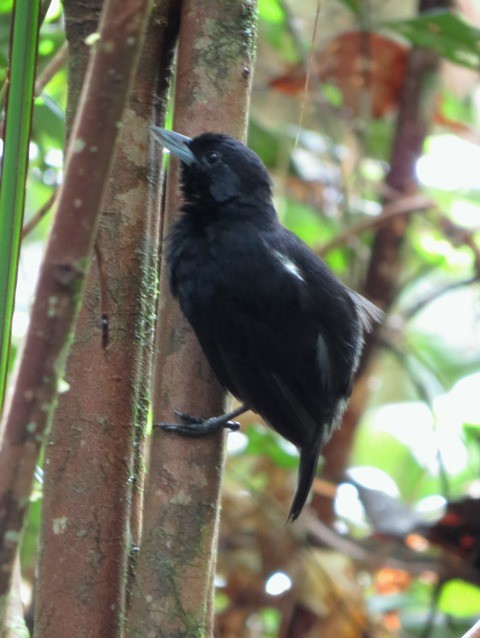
point(280, 331)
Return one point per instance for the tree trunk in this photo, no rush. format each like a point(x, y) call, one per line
point(90, 509)
point(174, 581)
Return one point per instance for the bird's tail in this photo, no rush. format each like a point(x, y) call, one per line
point(306, 474)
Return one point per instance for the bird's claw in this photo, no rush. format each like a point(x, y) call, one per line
point(194, 426)
point(186, 418)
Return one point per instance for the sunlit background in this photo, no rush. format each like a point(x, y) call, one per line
point(419, 438)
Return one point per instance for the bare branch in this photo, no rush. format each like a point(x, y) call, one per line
point(65, 265)
point(393, 554)
point(39, 215)
point(386, 260)
point(420, 305)
point(53, 67)
point(403, 205)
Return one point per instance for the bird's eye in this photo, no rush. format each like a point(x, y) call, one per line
point(212, 157)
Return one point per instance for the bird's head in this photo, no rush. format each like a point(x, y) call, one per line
point(216, 168)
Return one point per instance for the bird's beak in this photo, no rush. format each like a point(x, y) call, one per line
point(176, 143)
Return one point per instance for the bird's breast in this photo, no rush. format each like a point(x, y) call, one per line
point(195, 270)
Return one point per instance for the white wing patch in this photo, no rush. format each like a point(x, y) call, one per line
point(289, 265)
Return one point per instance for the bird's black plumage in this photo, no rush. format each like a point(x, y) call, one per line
point(280, 331)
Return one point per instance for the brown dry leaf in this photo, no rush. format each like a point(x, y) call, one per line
point(292, 82)
point(392, 621)
point(330, 602)
point(231, 622)
point(247, 555)
point(390, 581)
point(358, 64)
point(326, 598)
point(327, 581)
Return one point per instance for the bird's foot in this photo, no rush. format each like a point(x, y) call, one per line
point(195, 426)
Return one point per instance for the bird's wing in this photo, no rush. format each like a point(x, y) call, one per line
point(275, 373)
point(271, 342)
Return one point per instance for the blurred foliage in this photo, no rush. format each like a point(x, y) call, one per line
point(328, 151)
point(445, 33)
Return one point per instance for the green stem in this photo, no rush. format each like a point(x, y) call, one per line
point(18, 116)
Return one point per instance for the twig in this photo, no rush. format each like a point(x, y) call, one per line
point(400, 355)
point(432, 613)
point(401, 206)
point(396, 555)
point(420, 305)
point(308, 73)
point(458, 235)
point(39, 215)
point(424, 395)
point(53, 67)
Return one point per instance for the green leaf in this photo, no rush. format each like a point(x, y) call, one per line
point(457, 109)
point(445, 33)
point(271, 11)
point(460, 599)
point(14, 163)
point(54, 11)
point(378, 138)
point(48, 124)
point(271, 619)
point(306, 222)
point(262, 442)
point(472, 427)
point(273, 27)
point(353, 6)
point(264, 142)
point(6, 6)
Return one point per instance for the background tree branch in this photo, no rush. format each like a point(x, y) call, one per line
point(382, 279)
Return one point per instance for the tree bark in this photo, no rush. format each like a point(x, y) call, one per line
point(174, 580)
point(64, 268)
point(91, 507)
